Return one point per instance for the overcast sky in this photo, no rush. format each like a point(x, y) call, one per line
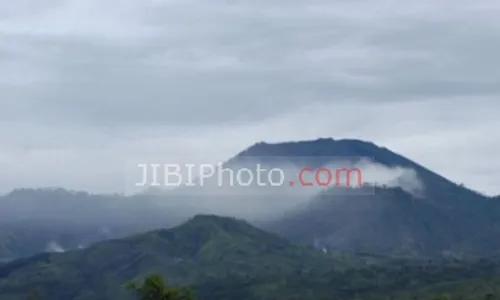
point(87, 86)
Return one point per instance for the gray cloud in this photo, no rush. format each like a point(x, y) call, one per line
point(88, 85)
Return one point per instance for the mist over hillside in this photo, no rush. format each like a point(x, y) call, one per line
point(249, 150)
point(393, 187)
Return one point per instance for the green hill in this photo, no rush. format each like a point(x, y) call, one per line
point(203, 249)
point(224, 259)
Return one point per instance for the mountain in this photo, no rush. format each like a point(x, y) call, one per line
point(403, 208)
point(224, 258)
point(437, 218)
point(393, 222)
point(320, 152)
point(203, 249)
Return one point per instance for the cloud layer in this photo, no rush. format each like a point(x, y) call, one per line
point(87, 85)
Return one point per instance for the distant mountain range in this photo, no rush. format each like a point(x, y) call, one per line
point(38, 220)
point(413, 212)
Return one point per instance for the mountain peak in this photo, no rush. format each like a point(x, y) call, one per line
point(316, 147)
point(210, 218)
point(215, 222)
point(215, 225)
point(262, 146)
point(206, 236)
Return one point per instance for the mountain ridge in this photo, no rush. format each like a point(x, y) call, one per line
point(128, 215)
point(246, 266)
point(200, 249)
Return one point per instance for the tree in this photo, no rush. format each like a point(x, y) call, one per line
point(154, 288)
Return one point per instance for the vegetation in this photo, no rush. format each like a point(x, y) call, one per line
point(154, 288)
point(225, 259)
